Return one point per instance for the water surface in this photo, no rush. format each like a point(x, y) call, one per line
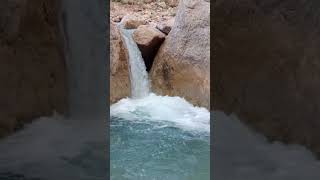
point(159, 138)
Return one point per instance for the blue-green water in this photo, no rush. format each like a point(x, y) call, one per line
point(150, 146)
point(156, 137)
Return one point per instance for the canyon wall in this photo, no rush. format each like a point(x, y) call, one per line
point(182, 64)
point(267, 66)
point(86, 48)
point(32, 70)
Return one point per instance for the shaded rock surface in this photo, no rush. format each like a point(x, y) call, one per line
point(119, 74)
point(267, 67)
point(182, 65)
point(166, 26)
point(148, 39)
point(32, 71)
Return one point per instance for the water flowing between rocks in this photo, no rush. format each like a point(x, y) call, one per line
point(156, 137)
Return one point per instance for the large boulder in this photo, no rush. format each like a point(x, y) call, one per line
point(119, 73)
point(148, 39)
point(132, 21)
point(32, 70)
point(182, 64)
point(267, 67)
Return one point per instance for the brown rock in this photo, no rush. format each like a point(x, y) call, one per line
point(166, 26)
point(119, 74)
point(32, 71)
point(267, 67)
point(148, 39)
point(132, 22)
point(182, 65)
point(148, 1)
point(172, 3)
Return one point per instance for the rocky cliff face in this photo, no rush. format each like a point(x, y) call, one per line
point(119, 74)
point(148, 39)
point(267, 66)
point(32, 71)
point(182, 64)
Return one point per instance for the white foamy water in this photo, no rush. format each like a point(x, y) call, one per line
point(144, 105)
point(55, 148)
point(242, 154)
point(175, 110)
point(140, 85)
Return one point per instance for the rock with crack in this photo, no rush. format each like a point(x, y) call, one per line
point(32, 72)
point(182, 64)
point(149, 40)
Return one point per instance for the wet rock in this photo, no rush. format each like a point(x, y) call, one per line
point(148, 39)
point(182, 64)
point(119, 73)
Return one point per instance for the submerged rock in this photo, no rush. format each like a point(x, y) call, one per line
point(119, 71)
point(148, 39)
point(182, 64)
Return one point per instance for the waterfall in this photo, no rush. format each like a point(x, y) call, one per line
point(86, 58)
point(140, 86)
point(170, 126)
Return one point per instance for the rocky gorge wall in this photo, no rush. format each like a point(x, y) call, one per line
point(177, 51)
point(267, 68)
point(182, 64)
point(33, 71)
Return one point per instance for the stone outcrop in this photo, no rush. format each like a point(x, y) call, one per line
point(166, 26)
point(119, 74)
point(148, 39)
point(132, 22)
point(182, 64)
point(32, 70)
point(267, 67)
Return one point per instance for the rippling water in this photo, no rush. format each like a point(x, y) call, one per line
point(159, 137)
point(55, 148)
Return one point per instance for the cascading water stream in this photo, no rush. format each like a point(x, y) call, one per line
point(73, 148)
point(140, 85)
point(156, 137)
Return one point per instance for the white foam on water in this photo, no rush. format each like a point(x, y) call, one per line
point(174, 110)
point(242, 154)
point(45, 148)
